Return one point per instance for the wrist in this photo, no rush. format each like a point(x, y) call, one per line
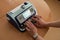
point(35, 36)
point(46, 24)
point(38, 37)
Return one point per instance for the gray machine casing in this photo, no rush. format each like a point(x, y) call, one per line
point(11, 15)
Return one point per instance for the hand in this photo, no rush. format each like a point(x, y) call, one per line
point(39, 21)
point(31, 28)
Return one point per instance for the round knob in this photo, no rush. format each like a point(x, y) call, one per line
point(25, 3)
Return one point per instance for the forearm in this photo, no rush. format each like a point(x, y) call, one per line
point(53, 24)
point(39, 38)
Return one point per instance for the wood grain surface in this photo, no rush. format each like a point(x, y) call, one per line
point(8, 31)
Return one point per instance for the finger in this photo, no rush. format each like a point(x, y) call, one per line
point(34, 19)
point(27, 29)
point(38, 17)
point(37, 25)
point(31, 25)
point(28, 24)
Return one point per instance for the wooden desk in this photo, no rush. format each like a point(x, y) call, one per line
point(8, 31)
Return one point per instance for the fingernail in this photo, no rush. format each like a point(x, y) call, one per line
point(34, 17)
point(40, 16)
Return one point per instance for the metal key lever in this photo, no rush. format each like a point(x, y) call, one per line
point(22, 28)
point(33, 21)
